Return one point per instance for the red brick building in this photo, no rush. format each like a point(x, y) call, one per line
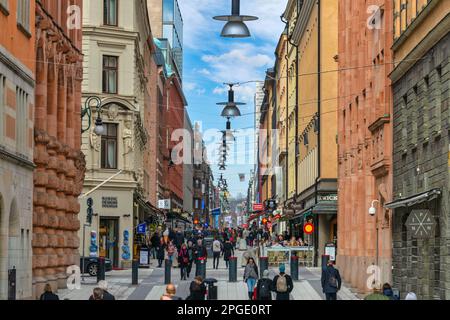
point(60, 164)
point(364, 140)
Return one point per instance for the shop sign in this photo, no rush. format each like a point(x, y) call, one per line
point(308, 228)
point(164, 204)
point(328, 197)
point(141, 228)
point(258, 207)
point(421, 224)
point(109, 202)
point(143, 257)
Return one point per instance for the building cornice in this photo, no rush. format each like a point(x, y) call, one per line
point(110, 32)
point(16, 159)
point(16, 66)
point(302, 21)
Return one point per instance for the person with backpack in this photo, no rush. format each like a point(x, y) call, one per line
point(331, 281)
point(263, 287)
point(282, 284)
point(251, 276)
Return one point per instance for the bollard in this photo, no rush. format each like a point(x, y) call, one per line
point(167, 271)
point(12, 275)
point(294, 268)
point(135, 272)
point(233, 269)
point(263, 264)
point(325, 259)
point(101, 269)
point(201, 265)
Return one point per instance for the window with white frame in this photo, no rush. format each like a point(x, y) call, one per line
point(21, 119)
point(23, 14)
point(2, 103)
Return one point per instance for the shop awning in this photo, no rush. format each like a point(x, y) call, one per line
point(175, 215)
point(415, 199)
point(325, 207)
point(255, 216)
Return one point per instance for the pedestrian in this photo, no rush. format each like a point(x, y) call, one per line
point(160, 253)
point(376, 295)
point(102, 284)
point(263, 287)
point(170, 251)
point(97, 294)
point(166, 235)
point(388, 292)
point(170, 293)
point(179, 239)
point(197, 289)
point(217, 250)
point(282, 284)
point(201, 256)
point(48, 293)
point(331, 281)
point(228, 251)
point(183, 261)
point(154, 241)
point(191, 255)
point(251, 276)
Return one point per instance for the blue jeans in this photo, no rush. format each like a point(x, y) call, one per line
point(251, 284)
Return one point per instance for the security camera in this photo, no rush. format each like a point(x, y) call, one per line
point(372, 211)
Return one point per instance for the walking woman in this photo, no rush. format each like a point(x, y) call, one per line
point(183, 261)
point(251, 276)
point(190, 252)
point(228, 251)
point(160, 252)
point(170, 251)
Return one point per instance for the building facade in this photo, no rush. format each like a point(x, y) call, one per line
point(60, 164)
point(365, 142)
point(315, 38)
point(17, 84)
point(118, 49)
point(420, 83)
point(188, 165)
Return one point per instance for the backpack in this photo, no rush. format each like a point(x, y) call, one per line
point(332, 282)
point(282, 284)
point(264, 289)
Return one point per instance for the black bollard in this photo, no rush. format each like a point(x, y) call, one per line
point(101, 269)
point(167, 271)
point(263, 264)
point(135, 272)
point(294, 268)
point(202, 268)
point(232, 269)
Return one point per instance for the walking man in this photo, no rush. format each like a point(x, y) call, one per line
point(282, 284)
point(331, 281)
point(217, 249)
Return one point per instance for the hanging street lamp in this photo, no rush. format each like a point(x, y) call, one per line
point(231, 109)
point(235, 26)
point(87, 111)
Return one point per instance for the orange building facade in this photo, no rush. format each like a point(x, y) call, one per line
point(365, 142)
point(60, 165)
point(17, 85)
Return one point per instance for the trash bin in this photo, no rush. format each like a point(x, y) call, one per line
point(212, 289)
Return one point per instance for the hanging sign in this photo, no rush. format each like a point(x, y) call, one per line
point(308, 228)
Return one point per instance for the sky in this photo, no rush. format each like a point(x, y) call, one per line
point(210, 60)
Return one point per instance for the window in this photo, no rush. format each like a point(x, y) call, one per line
point(21, 119)
point(23, 14)
point(110, 12)
point(4, 7)
point(109, 146)
point(2, 104)
point(110, 70)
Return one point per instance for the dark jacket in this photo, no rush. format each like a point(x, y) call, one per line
point(327, 284)
point(260, 283)
point(197, 291)
point(228, 251)
point(183, 255)
point(201, 252)
point(179, 239)
point(390, 294)
point(155, 240)
point(290, 287)
point(161, 251)
point(50, 296)
point(106, 296)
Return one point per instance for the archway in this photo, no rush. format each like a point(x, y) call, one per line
point(3, 252)
point(14, 245)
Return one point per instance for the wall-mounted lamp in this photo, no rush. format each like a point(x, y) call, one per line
point(87, 110)
point(372, 209)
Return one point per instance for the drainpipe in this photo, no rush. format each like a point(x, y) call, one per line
point(316, 218)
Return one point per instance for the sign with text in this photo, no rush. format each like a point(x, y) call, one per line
point(164, 204)
point(215, 212)
point(258, 207)
point(109, 202)
point(421, 224)
point(142, 228)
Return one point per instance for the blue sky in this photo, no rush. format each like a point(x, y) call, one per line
point(210, 60)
